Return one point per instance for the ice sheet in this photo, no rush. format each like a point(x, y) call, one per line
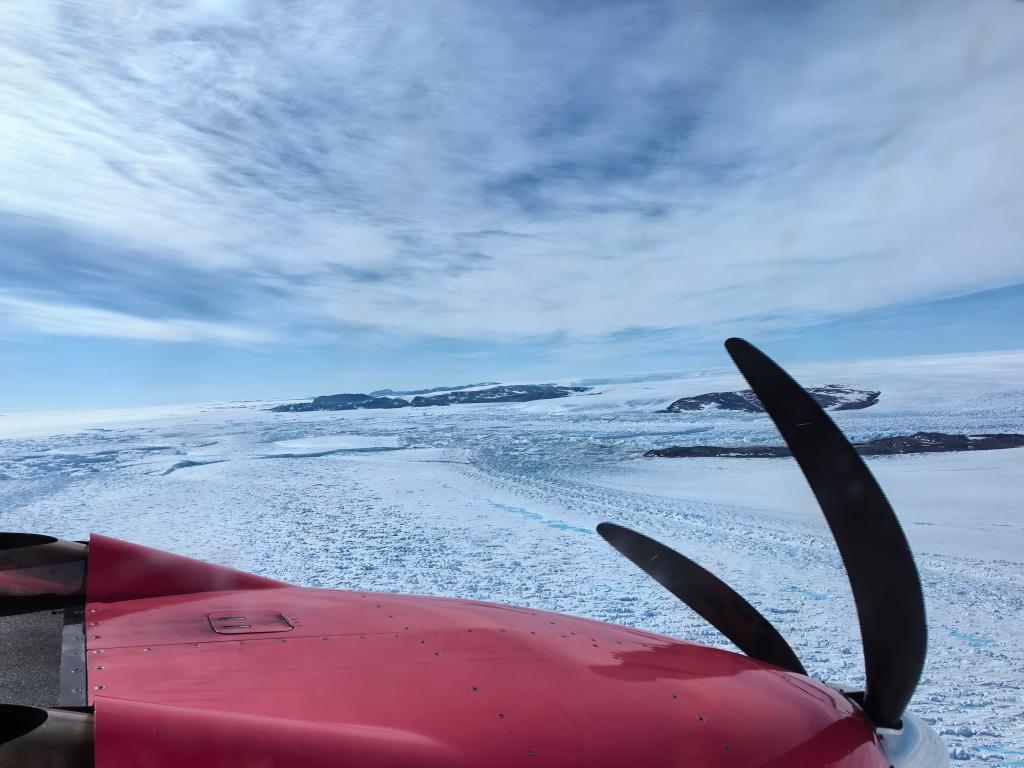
point(499, 502)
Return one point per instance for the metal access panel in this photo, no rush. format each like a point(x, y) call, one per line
point(72, 659)
point(248, 621)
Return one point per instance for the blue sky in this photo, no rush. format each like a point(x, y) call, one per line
point(227, 199)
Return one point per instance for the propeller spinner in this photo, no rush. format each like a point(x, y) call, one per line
point(883, 577)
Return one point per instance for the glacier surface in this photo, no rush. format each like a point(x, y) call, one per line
point(499, 502)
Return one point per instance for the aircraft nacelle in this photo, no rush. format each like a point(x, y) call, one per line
point(258, 672)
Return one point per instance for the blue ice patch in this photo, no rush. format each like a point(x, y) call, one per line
point(515, 510)
point(567, 527)
point(1012, 758)
point(807, 593)
point(528, 515)
point(191, 463)
point(972, 640)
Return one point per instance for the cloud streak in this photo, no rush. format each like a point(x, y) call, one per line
point(69, 320)
point(235, 171)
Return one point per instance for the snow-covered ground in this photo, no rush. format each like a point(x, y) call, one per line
point(499, 502)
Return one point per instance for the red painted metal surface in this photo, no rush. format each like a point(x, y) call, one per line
point(130, 734)
point(120, 570)
point(464, 682)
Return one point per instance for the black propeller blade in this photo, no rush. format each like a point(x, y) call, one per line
point(706, 594)
point(878, 561)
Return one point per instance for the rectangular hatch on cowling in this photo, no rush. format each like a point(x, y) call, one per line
point(248, 621)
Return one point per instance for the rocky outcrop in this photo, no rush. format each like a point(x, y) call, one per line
point(404, 392)
point(513, 393)
point(919, 442)
point(832, 397)
point(727, 401)
point(344, 402)
point(715, 451)
point(938, 442)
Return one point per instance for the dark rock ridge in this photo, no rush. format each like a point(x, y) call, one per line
point(832, 397)
point(349, 402)
point(919, 442)
point(716, 451)
point(403, 392)
point(515, 393)
point(344, 402)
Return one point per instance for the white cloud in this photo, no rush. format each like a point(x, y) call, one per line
point(469, 174)
point(68, 320)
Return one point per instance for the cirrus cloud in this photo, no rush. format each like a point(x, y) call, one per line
point(502, 171)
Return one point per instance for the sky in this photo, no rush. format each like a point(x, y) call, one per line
point(232, 199)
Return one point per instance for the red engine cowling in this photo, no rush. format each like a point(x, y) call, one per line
point(191, 664)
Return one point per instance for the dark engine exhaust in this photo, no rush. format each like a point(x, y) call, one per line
point(35, 566)
point(33, 737)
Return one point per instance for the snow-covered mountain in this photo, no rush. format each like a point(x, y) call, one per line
point(430, 390)
point(512, 393)
point(831, 397)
